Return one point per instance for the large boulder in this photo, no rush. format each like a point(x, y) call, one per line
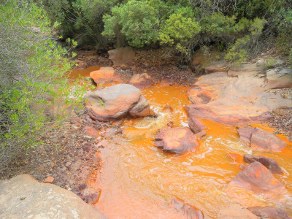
point(269, 163)
point(24, 197)
point(115, 102)
point(177, 140)
point(260, 140)
point(258, 179)
point(105, 75)
point(141, 80)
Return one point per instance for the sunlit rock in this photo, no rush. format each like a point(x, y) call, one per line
point(235, 211)
point(177, 140)
point(24, 197)
point(115, 102)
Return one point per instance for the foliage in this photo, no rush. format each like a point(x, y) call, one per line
point(31, 71)
point(179, 29)
point(137, 21)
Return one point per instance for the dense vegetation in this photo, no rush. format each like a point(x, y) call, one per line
point(233, 26)
point(31, 68)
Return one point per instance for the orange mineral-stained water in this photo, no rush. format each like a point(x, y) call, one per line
point(138, 180)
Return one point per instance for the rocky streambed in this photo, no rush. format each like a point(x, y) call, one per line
point(203, 149)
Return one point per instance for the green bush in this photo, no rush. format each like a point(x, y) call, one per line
point(31, 71)
point(136, 21)
point(179, 29)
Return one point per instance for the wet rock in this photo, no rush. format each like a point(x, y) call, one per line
point(177, 140)
point(269, 163)
point(269, 212)
point(24, 197)
point(141, 80)
point(235, 211)
point(141, 109)
point(122, 56)
point(189, 211)
point(260, 140)
point(105, 74)
point(195, 125)
point(258, 179)
point(115, 102)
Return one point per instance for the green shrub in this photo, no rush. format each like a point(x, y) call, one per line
point(136, 21)
point(31, 71)
point(179, 29)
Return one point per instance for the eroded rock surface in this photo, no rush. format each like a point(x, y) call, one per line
point(115, 102)
point(177, 140)
point(241, 95)
point(258, 179)
point(269, 163)
point(260, 140)
point(24, 197)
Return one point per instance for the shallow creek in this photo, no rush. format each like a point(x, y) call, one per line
point(140, 181)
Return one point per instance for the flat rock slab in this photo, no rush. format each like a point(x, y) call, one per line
point(243, 98)
point(24, 197)
point(115, 102)
point(177, 140)
point(258, 179)
point(260, 140)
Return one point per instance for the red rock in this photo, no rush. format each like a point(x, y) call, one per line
point(105, 74)
point(115, 102)
point(141, 80)
point(195, 125)
point(49, 179)
point(176, 140)
point(260, 140)
point(258, 179)
point(269, 212)
point(269, 163)
point(199, 96)
point(188, 210)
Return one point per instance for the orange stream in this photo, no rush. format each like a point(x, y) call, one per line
point(139, 181)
